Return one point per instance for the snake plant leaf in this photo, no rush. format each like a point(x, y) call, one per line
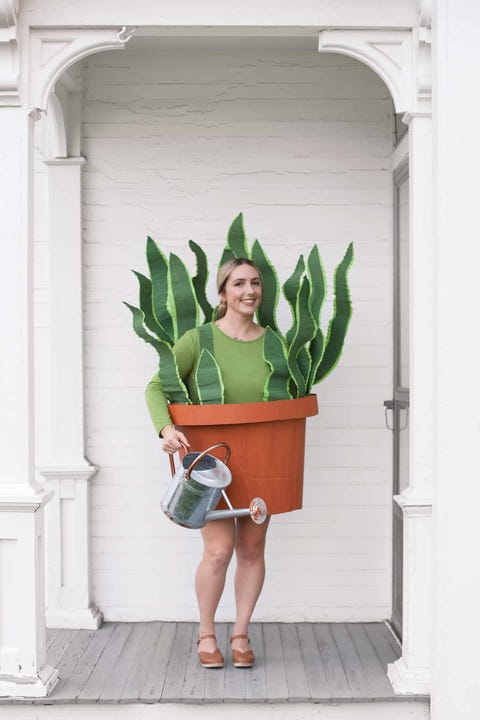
point(270, 287)
point(316, 275)
point(146, 306)
point(290, 291)
point(305, 329)
point(200, 280)
point(172, 383)
point(236, 239)
point(275, 355)
point(182, 294)
point(227, 255)
point(342, 312)
point(316, 349)
point(208, 380)
point(158, 267)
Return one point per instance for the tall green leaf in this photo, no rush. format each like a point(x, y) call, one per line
point(275, 355)
point(227, 255)
point(172, 384)
point(182, 294)
point(146, 306)
point(208, 380)
point(200, 280)
point(316, 349)
point(236, 239)
point(158, 267)
point(316, 274)
point(342, 312)
point(270, 287)
point(305, 330)
point(290, 291)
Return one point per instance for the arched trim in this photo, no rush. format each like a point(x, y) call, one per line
point(56, 125)
point(53, 51)
point(388, 52)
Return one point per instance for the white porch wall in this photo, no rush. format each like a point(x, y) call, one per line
point(177, 142)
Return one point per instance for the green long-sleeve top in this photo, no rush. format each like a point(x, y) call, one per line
point(244, 371)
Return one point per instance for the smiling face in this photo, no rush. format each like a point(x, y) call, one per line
point(243, 290)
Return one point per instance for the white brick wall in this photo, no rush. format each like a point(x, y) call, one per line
point(179, 139)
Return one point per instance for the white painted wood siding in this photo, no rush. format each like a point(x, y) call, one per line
point(178, 140)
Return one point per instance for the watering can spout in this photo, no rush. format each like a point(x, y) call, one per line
point(257, 510)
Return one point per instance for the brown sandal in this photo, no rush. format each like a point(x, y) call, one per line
point(213, 659)
point(242, 659)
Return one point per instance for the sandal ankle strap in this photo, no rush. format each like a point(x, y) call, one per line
point(241, 636)
point(204, 637)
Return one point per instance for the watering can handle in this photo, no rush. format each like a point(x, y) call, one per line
point(199, 457)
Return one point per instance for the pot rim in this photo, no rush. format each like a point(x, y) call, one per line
point(244, 413)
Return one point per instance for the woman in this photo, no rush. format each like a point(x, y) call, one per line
point(238, 343)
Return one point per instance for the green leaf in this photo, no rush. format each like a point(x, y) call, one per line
point(270, 287)
point(316, 274)
point(298, 362)
point(227, 255)
point(290, 291)
point(184, 303)
point(158, 267)
point(146, 306)
point(338, 326)
point(275, 355)
point(200, 280)
point(236, 239)
point(316, 349)
point(208, 380)
point(172, 384)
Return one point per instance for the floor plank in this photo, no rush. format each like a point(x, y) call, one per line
point(68, 662)
point(298, 690)
point(315, 674)
point(143, 660)
point(99, 677)
point(277, 688)
point(123, 667)
point(332, 662)
point(176, 669)
point(351, 662)
point(153, 685)
point(215, 679)
point(256, 679)
point(374, 670)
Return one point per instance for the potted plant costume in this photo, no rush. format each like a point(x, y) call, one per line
point(253, 395)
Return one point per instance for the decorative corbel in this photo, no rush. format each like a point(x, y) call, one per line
point(52, 51)
point(9, 53)
point(424, 53)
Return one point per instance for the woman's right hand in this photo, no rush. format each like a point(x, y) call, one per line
point(173, 439)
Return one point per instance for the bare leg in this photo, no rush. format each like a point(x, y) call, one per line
point(219, 540)
point(250, 574)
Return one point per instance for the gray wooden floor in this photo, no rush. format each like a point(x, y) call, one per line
point(157, 662)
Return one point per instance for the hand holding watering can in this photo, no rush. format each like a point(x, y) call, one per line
point(196, 488)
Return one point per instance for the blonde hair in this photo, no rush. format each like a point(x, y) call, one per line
point(224, 272)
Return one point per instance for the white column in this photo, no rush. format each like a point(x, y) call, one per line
point(411, 672)
point(23, 668)
point(69, 596)
point(456, 684)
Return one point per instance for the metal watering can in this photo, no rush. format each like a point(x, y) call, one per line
point(196, 488)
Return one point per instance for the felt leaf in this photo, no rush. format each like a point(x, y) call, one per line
point(146, 306)
point(316, 349)
point(304, 332)
point(270, 287)
point(342, 312)
point(200, 280)
point(208, 380)
point(158, 267)
point(275, 355)
point(184, 303)
point(236, 239)
point(290, 291)
point(172, 384)
point(316, 275)
point(227, 255)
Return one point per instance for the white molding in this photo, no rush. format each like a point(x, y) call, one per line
point(9, 53)
point(22, 498)
point(388, 52)
point(89, 618)
point(66, 161)
point(53, 51)
point(37, 686)
point(407, 681)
